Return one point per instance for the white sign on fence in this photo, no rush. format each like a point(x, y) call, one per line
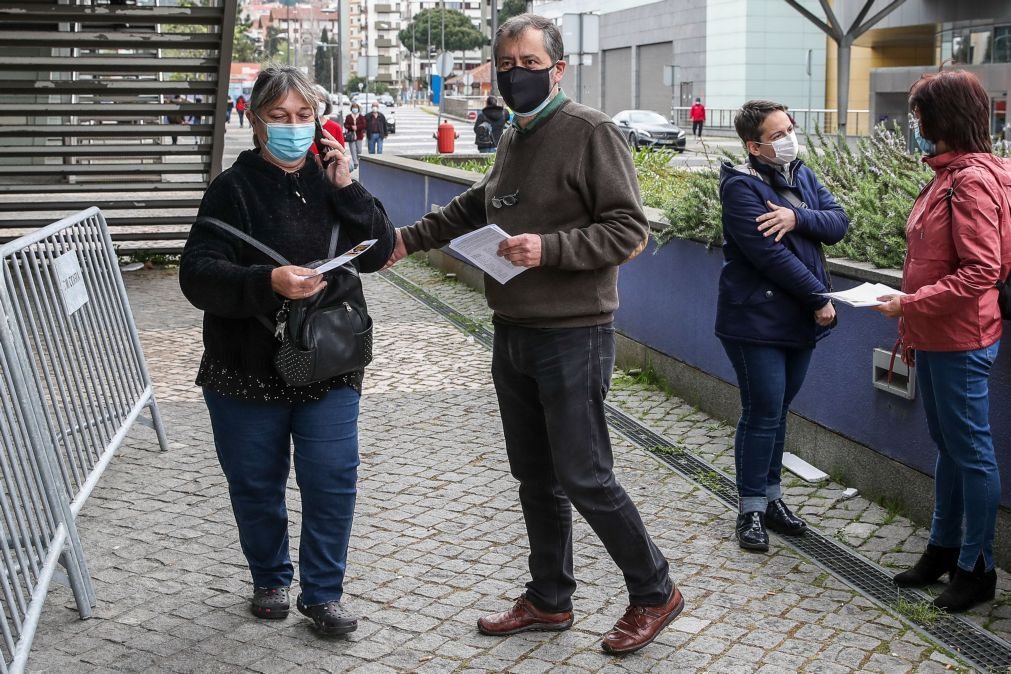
point(71, 282)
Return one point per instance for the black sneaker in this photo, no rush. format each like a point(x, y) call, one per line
point(751, 533)
point(270, 603)
point(329, 618)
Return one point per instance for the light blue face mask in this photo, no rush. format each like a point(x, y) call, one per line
point(289, 142)
point(926, 146)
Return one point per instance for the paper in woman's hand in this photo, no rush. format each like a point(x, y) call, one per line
point(864, 295)
point(345, 258)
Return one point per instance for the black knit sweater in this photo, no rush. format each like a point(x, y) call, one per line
point(229, 280)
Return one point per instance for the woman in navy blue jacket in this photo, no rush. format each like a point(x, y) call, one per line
point(776, 216)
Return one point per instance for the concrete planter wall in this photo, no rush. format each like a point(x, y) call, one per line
point(875, 440)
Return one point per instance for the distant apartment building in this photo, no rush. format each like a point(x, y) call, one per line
point(374, 25)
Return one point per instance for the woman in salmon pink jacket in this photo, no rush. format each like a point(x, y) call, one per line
point(958, 247)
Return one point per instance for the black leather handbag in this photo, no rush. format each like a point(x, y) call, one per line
point(323, 336)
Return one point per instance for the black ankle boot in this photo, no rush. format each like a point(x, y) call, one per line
point(968, 588)
point(751, 533)
point(780, 519)
point(931, 565)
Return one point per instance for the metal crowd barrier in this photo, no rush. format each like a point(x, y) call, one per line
point(73, 380)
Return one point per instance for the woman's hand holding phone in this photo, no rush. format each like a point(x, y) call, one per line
point(337, 160)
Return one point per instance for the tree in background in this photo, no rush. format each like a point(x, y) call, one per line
point(244, 50)
point(461, 33)
point(510, 8)
point(370, 86)
point(323, 63)
point(275, 45)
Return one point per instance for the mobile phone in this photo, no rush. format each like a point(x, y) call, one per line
point(323, 149)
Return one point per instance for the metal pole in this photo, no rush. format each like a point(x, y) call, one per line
point(340, 48)
point(843, 84)
point(428, 22)
point(442, 75)
point(494, 29)
point(579, 64)
point(287, 51)
point(810, 77)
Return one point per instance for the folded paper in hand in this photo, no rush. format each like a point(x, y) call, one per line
point(480, 248)
point(345, 258)
point(864, 295)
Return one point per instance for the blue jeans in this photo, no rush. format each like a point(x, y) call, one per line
point(253, 442)
point(955, 390)
point(769, 377)
point(375, 143)
point(487, 150)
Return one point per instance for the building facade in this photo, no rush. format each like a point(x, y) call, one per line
point(924, 34)
point(662, 55)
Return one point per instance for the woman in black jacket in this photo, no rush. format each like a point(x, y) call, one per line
point(286, 200)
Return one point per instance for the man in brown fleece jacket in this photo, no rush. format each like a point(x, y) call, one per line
point(564, 187)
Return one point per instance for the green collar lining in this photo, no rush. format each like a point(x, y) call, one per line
point(539, 118)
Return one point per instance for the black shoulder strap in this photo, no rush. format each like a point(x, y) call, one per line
point(334, 233)
point(263, 248)
point(238, 233)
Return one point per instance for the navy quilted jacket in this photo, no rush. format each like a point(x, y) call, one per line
point(768, 290)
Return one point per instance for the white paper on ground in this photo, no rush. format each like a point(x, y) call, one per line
point(864, 295)
point(803, 469)
point(481, 248)
point(345, 258)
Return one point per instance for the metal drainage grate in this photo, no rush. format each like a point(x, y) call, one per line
point(980, 648)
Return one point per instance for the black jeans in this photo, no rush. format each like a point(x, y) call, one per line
point(551, 385)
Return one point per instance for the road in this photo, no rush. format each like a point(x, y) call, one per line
point(414, 133)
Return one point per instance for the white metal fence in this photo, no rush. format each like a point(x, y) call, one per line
point(74, 381)
point(858, 121)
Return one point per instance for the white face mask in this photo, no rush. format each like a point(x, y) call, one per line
point(320, 108)
point(786, 149)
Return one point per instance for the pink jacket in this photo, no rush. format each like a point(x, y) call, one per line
point(955, 254)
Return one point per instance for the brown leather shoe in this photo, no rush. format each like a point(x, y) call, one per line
point(524, 617)
point(641, 624)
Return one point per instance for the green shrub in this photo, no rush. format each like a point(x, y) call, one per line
point(875, 183)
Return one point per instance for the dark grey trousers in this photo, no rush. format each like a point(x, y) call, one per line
point(551, 385)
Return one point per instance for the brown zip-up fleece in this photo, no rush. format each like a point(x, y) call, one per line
point(576, 187)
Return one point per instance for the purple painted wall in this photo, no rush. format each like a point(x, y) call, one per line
point(668, 302)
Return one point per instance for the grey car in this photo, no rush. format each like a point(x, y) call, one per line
point(645, 128)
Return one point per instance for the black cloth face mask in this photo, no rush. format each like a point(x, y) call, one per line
point(524, 90)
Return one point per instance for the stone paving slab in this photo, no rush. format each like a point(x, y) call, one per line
point(880, 534)
point(438, 538)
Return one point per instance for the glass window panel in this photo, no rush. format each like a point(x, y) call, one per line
point(1002, 44)
point(960, 46)
point(979, 51)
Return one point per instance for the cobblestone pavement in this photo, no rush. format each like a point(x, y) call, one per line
point(439, 539)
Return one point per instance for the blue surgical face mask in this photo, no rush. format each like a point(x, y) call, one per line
point(926, 146)
point(289, 142)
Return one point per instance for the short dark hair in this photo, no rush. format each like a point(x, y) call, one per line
point(491, 102)
point(953, 107)
point(751, 116)
point(517, 25)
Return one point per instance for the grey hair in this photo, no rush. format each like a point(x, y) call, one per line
point(517, 25)
point(275, 81)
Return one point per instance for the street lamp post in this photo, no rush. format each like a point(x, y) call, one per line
point(494, 29)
